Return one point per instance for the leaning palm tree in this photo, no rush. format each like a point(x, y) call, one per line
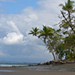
point(34, 31)
point(46, 35)
point(49, 36)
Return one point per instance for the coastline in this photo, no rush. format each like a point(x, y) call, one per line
point(66, 69)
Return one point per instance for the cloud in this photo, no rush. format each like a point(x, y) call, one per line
point(13, 38)
point(31, 17)
point(15, 27)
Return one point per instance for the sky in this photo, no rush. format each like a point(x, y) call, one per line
point(17, 17)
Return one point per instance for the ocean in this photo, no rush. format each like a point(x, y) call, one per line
point(15, 64)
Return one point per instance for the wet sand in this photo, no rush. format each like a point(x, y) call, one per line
point(31, 72)
point(38, 73)
point(39, 70)
point(28, 72)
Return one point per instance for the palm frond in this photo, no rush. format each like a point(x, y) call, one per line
point(34, 31)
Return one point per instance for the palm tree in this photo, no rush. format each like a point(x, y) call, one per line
point(34, 31)
point(45, 33)
point(68, 23)
point(68, 6)
point(68, 18)
point(52, 43)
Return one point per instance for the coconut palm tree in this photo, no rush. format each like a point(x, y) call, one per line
point(45, 33)
point(68, 6)
point(68, 23)
point(69, 19)
point(34, 31)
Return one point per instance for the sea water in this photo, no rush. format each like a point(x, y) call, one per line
point(22, 65)
point(14, 64)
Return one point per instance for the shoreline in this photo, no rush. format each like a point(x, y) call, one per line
point(25, 71)
point(69, 67)
point(59, 69)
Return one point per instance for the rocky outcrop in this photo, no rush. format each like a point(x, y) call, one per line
point(55, 62)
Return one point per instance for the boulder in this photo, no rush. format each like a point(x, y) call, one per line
point(40, 63)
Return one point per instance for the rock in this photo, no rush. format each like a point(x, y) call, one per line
point(70, 62)
point(51, 62)
point(61, 62)
point(47, 63)
point(55, 62)
point(40, 63)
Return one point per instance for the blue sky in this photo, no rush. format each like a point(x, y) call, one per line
point(17, 17)
point(17, 6)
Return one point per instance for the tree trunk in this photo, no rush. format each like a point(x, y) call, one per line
point(59, 56)
point(53, 55)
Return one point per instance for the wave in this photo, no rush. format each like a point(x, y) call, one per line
point(13, 64)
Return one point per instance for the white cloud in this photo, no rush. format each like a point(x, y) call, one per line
point(13, 38)
point(31, 17)
point(14, 27)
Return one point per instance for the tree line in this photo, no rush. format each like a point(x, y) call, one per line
point(60, 42)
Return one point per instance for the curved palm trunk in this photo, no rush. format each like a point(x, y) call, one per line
point(53, 55)
point(52, 48)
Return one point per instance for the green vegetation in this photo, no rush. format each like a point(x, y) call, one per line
point(61, 42)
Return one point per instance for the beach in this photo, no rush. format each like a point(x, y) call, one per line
point(37, 73)
point(19, 71)
point(66, 69)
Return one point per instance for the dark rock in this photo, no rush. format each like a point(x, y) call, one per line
point(55, 62)
point(40, 63)
point(70, 62)
point(47, 63)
